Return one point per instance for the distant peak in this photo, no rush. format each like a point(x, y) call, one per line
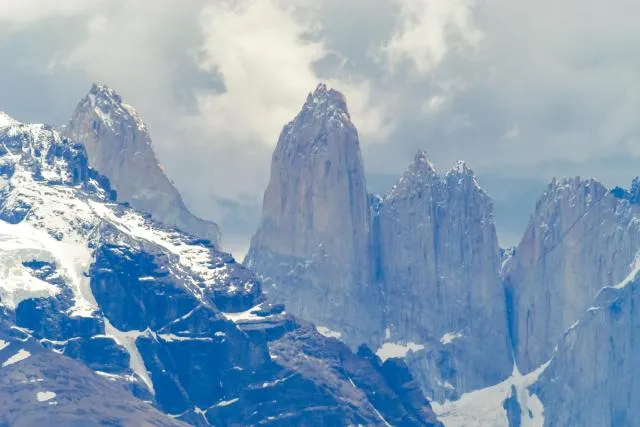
point(421, 160)
point(326, 100)
point(460, 168)
point(109, 107)
point(103, 91)
point(420, 172)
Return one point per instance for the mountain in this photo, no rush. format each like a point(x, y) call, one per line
point(159, 314)
point(314, 228)
point(119, 146)
point(580, 239)
point(572, 288)
point(41, 387)
point(440, 269)
point(413, 273)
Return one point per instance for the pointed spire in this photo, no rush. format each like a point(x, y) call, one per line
point(460, 168)
point(326, 101)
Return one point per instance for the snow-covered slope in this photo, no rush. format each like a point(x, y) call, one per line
point(163, 314)
point(119, 146)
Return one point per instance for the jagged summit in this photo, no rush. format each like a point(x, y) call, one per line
point(111, 111)
point(119, 146)
point(419, 173)
point(421, 158)
point(324, 111)
point(326, 99)
point(460, 168)
point(103, 91)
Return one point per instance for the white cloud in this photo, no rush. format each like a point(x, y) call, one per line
point(428, 30)
point(265, 53)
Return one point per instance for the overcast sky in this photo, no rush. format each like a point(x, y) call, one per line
point(516, 88)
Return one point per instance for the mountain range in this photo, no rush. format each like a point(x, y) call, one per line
point(118, 306)
point(538, 334)
point(111, 316)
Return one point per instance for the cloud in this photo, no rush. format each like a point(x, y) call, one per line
point(428, 29)
point(18, 13)
point(265, 54)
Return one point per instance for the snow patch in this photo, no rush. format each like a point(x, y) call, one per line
point(227, 402)
point(128, 341)
point(391, 349)
point(247, 315)
point(483, 408)
point(21, 355)
point(323, 330)
point(3, 344)
point(43, 396)
point(450, 337)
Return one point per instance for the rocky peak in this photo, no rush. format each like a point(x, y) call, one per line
point(324, 112)
point(579, 239)
point(313, 238)
point(323, 100)
point(111, 111)
point(119, 146)
point(440, 266)
point(419, 174)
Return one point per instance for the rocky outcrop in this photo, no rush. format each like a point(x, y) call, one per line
point(119, 146)
point(312, 246)
point(580, 239)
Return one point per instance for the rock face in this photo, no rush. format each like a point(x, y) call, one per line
point(41, 387)
point(440, 264)
point(417, 269)
point(593, 377)
point(160, 315)
point(118, 145)
point(315, 220)
point(580, 239)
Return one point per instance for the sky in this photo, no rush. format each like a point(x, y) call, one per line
point(522, 91)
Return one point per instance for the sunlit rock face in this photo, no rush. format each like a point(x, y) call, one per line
point(119, 146)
